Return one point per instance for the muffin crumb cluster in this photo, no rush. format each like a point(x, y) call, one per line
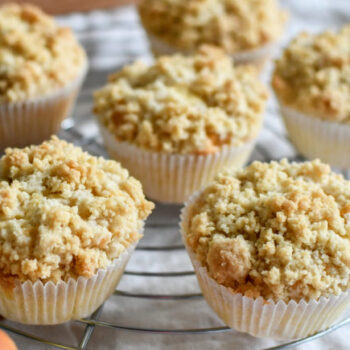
point(313, 75)
point(65, 213)
point(183, 104)
point(36, 55)
point(234, 25)
point(276, 230)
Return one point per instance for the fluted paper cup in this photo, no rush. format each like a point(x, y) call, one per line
point(172, 178)
point(257, 57)
point(47, 304)
point(264, 318)
point(34, 120)
point(317, 138)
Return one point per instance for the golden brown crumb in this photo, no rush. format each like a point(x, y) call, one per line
point(234, 25)
point(276, 230)
point(183, 104)
point(65, 213)
point(313, 75)
point(36, 55)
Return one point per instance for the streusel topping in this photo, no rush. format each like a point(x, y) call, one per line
point(313, 75)
point(182, 104)
point(234, 25)
point(36, 55)
point(65, 213)
point(276, 230)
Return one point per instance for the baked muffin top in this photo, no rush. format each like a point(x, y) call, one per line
point(276, 230)
point(313, 75)
point(193, 104)
point(36, 55)
point(234, 25)
point(65, 213)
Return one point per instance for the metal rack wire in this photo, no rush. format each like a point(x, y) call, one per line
point(93, 146)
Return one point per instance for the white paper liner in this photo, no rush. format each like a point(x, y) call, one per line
point(259, 317)
point(47, 304)
point(172, 178)
point(35, 120)
point(257, 56)
point(316, 138)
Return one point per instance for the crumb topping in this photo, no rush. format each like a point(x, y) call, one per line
point(234, 25)
point(65, 213)
point(182, 104)
point(313, 75)
point(36, 55)
point(276, 230)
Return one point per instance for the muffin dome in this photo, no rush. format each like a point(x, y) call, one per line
point(277, 230)
point(313, 75)
point(234, 25)
point(184, 105)
point(65, 213)
point(36, 55)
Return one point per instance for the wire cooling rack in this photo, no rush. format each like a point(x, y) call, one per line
point(94, 146)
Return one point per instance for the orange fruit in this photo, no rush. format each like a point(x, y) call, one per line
point(6, 343)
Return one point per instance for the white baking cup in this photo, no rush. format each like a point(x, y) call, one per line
point(257, 56)
point(264, 318)
point(35, 120)
point(316, 138)
point(172, 178)
point(49, 303)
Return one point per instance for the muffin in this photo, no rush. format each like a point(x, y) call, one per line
point(41, 69)
point(312, 83)
point(69, 222)
point(270, 245)
point(176, 123)
point(247, 30)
